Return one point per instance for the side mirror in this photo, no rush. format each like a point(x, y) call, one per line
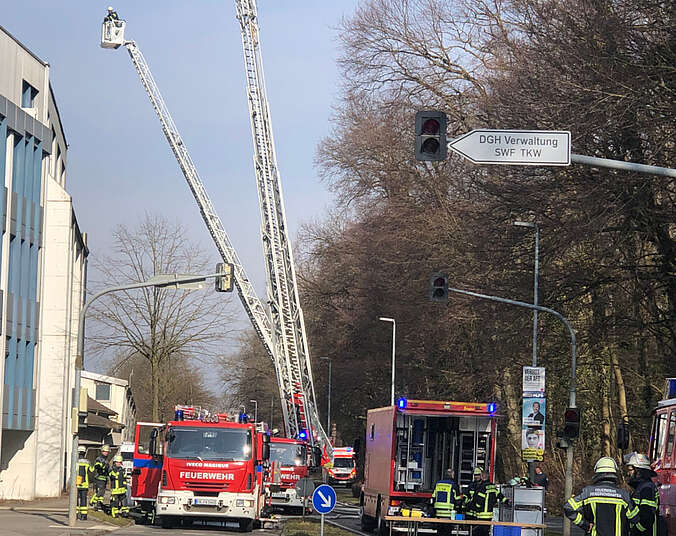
point(265, 453)
point(622, 438)
point(155, 447)
point(356, 445)
point(316, 456)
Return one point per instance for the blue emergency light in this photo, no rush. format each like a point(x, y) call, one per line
point(302, 434)
point(671, 388)
point(401, 403)
point(492, 407)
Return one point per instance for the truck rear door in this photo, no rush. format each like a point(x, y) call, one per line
point(147, 470)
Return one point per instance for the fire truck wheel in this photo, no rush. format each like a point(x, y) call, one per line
point(381, 524)
point(366, 522)
point(167, 522)
point(246, 525)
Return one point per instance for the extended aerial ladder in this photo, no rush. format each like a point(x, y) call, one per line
point(288, 326)
point(112, 36)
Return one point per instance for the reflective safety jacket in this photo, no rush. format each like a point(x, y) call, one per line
point(605, 506)
point(483, 499)
point(447, 497)
point(101, 468)
point(83, 470)
point(646, 498)
point(118, 482)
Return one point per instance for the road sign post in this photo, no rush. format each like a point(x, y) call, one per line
point(304, 489)
point(323, 501)
point(514, 147)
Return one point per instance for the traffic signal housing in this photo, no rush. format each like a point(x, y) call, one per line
point(223, 282)
point(571, 423)
point(430, 136)
point(439, 287)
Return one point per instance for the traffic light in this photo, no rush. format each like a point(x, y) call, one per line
point(571, 423)
point(439, 288)
point(430, 136)
point(223, 282)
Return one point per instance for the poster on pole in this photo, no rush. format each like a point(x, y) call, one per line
point(533, 414)
point(534, 381)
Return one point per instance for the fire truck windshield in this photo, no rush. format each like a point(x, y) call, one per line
point(202, 444)
point(343, 463)
point(288, 454)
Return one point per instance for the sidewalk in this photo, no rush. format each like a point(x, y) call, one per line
point(46, 517)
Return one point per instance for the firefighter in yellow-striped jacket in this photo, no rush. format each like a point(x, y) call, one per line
point(645, 494)
point(603, 509)
point(118, 489)
point(82, 483)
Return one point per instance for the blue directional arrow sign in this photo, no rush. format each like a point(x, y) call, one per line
point(324, 499)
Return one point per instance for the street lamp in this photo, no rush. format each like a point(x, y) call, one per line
point(255, 409)
point(328, 410)
point(394, 334)
point(535, 285)
point(188, 282)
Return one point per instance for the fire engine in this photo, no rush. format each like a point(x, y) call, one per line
point(200, 466)
point(343, 468)
point(410, 446)
point(663, 454)
point(289, 462)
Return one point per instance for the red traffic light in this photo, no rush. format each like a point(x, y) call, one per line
point(431, 126)
point(572, 415)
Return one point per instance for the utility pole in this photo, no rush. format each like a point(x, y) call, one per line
point(394, 335)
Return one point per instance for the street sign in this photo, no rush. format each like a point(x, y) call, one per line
point(305, 487)
point(514, 147)
point(324, 499)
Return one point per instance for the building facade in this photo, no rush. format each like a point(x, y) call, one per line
point(42, 277)
point(115, 394)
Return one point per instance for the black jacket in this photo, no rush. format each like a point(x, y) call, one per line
point(605, 506)
point(646, 497)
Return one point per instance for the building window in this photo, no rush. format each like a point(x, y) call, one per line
point(102, 391)
point(28, 94)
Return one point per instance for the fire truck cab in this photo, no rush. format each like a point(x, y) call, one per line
point(201, 466)
point(289, 463)
point(410, 446)
point(663, 454)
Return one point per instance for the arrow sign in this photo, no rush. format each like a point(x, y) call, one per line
point(514, 147)
point(324, 499)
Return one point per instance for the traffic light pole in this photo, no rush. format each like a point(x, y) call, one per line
point(568, 485)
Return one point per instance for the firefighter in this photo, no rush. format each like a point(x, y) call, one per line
point(111, 16)
point(447, 495)
point(100, 473)
point(603, 509)
point(471, 488)
point(118, 488)
point(645, 494)
point(82, 483)
point(485, 498)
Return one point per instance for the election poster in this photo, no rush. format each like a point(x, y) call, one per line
point(533, 416)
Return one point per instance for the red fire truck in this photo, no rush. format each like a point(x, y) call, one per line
point(410, 446)
point(200, 466)
point(289, 461)
point(663, 453)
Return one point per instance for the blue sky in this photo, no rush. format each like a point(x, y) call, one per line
point(119, 163)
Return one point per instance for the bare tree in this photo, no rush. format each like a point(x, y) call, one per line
point(157, 324)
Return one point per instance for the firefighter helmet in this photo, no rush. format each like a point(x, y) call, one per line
point(82, 449)
point(117, 458)
point(105, 449)
point(605, 465)
point(639, 461)
point(477, 471)
point(110, 8)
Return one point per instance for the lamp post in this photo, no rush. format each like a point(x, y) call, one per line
point(161, 281)
point(535, 284)
point(394, 334)
point(255, 409)
point(328, 403)
point(532, 225)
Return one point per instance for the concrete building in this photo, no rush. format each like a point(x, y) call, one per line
point(115, 394)
point(42, 274)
